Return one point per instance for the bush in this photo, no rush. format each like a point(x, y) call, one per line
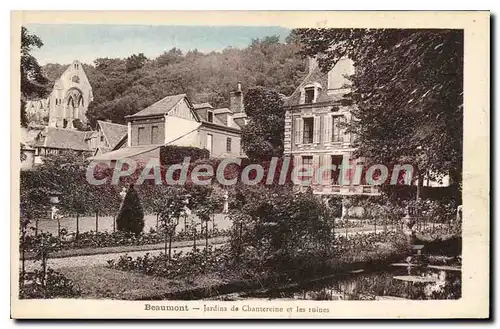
point(279, 226)
point(131, 216)
point(179, 265)
point(38, 285)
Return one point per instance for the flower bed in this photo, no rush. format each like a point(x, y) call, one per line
point(180, 264)
point(52, 284)
point(104, 239)
point(344, 251)
point(347, 223)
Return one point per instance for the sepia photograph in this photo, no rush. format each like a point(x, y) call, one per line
point(231, 170)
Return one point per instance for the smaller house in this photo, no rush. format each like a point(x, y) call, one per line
point(174, 120)
point(39, 142)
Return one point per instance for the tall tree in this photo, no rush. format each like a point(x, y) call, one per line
point(262, 137)
point(407, 90)
point(130, 216)
point(33, 82)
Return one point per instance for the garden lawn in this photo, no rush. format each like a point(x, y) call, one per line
point(99, 282)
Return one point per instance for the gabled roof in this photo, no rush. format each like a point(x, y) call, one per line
point(159, 108)
point(61, 138)
point(113, 132)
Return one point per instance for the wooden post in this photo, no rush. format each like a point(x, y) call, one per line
point(77, 225)
point(97, 221)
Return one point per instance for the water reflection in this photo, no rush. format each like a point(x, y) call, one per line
point(400, 282)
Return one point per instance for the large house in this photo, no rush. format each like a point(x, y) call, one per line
point(315, 132)
point(175, 120)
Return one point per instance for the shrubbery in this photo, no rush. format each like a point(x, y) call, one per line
point(130, 216)
point(177, 266)
point(51, 284)
point(105, 239)
point(172, 154)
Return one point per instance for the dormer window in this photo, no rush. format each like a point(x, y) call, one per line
point(309, 95)
point(210, 116)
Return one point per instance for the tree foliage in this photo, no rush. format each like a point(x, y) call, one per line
point(407, 91)
point(33, 81)
point(125, 86)
point(262, 138)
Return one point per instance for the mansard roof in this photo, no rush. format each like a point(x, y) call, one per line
point(316, 77)
point(113, 132)
point(160, 107)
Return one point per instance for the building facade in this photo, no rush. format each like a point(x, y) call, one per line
point(315, 128)
point(174, 120)
point(67, 103)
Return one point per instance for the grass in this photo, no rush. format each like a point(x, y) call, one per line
point(101, 282)
point(123, 249)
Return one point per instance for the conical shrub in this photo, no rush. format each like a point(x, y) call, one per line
point(131, 216)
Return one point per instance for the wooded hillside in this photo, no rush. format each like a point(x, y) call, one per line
point(126, 86)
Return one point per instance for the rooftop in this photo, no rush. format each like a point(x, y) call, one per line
point(161, 107)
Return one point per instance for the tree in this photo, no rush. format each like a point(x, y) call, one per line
point(173, 206)
point(130, 216)
point(135, 62)
point(407, 90)
point(33, 82)
point(205, 203)
point(262, 138)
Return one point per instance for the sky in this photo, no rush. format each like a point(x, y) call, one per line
point(64, 43)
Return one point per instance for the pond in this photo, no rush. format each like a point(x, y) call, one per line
point(399, 281)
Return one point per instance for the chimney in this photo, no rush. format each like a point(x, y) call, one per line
point(236, 100)
point(312, 64)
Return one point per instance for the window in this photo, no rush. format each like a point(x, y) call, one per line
point(210, 116)
point(307, 160)
point(209, 143)
point(140, 135)
point(154, 135)
point(338, 129)
point(335, 174)
point(75, 79)
point(308, 130)
point(102, 138)
point(309, 95)
point(228, 144)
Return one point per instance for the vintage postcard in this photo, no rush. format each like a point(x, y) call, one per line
point(250, 165)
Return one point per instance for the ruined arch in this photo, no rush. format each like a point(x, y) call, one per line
point(73, 101)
